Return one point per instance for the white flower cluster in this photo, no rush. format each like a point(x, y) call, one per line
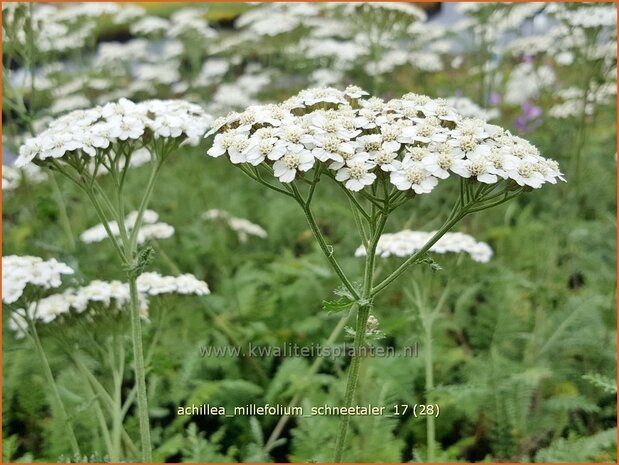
point(150, 229)
point(572, 31)
point(12, 178)
point(154, 284)
point(279, 18)
point(111, 295)
point(399, 8)
point(21, 271)
point(415, 140)
point(496, 20)
point(588, 16)
point(243, 228)
point(527, 81)
point(573, 99)
point(406, 243)
point(241, 93)
point(89, 131)
point(341, 36)
point(186, 21)
point(469, 109)
point(62, 27)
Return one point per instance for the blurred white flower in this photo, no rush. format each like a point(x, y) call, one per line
point(12, 177)
point(243, 227)
point(150, 229)
point(407, 242)
point(105, 296)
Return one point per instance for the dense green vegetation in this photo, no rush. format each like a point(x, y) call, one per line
point(523, 347)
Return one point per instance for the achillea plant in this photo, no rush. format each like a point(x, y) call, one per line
point(382, 154)
point(25, 279)
point(83, 142)
point(67, 315)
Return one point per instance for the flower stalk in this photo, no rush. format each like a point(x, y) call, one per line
point(47, 372)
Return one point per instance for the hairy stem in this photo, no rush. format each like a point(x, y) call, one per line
point(430, 426)
point(140, 372)
point(353, 377)
point(363, 312)
point(117, 418)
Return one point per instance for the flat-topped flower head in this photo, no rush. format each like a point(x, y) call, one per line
point(106, 296)
point(86, 132)
point(155, 284)
point(149, 229)
point(21, 271)
point(407, 242)
point(416, 139)
point(243, 227)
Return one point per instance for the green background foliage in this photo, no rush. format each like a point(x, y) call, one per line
point(524, 348)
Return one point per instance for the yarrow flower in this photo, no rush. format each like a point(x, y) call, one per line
point(382, 153)
point(21, 271)
point(416, 139)
point(79, 143)
point(150, 229)
point(155, 284)
point(243, 227)
point(90, 131)
point(107, 295)
point(12, 178)
point(407, 242)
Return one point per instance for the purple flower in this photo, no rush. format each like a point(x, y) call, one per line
point(494, 99)
point(530, 118)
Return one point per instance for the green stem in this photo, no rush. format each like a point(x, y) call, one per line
point(430, 426)
point(62, 209)
point(145, 200)
point(47, 371)
point(363, 312)
point(353, 378)
point(328, 252)
point(277, 431)
point(140, 372)
point(104, 220)
point(108, 401)
point(31, 60)
point(580, 140)
point(102, 424)
point(259, 179)
point(117, 418)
